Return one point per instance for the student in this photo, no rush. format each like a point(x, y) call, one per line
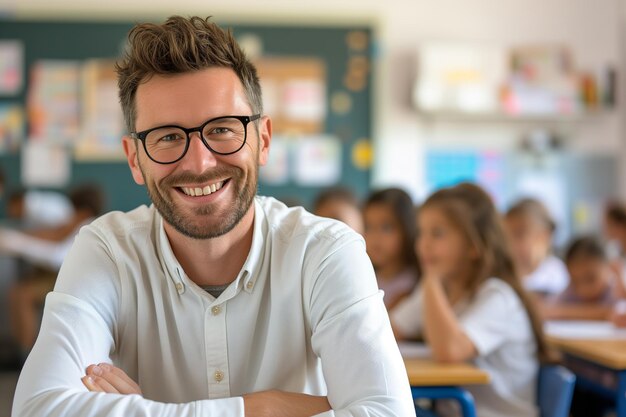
point(341, 204)
point(591, 293)
point(530, 229)
point(614, 224)
point(36, 209)
point(470, 305)
point(45, 249)
point(47, 246)
point(389, 218)
point(213, 301)
point(615, 235)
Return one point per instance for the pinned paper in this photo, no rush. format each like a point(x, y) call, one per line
point(304, 99)
point(317, 161)
point(11, 67)
point(45, 165)
point(53, 101)
point(102, 124)
point(11, 127)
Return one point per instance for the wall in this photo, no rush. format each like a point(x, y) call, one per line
point(590, 27)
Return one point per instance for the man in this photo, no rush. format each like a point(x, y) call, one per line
point(212, 302)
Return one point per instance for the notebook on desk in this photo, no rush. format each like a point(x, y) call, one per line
point(583, 329)
point(414, 350)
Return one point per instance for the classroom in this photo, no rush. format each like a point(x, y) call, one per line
point(395, 208)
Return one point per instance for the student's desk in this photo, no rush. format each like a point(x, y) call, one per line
point(606, 351)
point(427, 372)
point(430, 379)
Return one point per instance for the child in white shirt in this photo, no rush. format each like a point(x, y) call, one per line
point(389, 218)
point(530, 228)
point(470, 305)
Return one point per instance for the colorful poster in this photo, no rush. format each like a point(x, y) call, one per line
point(53, 101)
point(11, 67)
point(11, 127)
point(102, 122)
point(445, 168)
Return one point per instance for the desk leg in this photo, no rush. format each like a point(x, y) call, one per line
point(465, 399)
point(620, 404)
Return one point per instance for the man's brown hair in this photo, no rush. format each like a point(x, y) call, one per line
point(177, 46)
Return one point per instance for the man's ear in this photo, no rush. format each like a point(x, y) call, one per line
point(265, 137)
point(130, 149)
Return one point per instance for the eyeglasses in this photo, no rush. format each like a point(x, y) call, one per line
point(224, 135)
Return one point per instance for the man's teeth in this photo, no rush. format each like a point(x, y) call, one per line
point(209, 189)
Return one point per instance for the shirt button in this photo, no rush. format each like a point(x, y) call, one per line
point(216, 310)
point(179, 286)
point(219, 376)
point(249, 285)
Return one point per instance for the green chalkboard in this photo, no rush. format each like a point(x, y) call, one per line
point(85, 40)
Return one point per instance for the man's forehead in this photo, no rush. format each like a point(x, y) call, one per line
point(183, 98)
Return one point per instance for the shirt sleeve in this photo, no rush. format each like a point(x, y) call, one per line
point(351, 334)
point(487, 319)
point(406, 317)
point(79, 329)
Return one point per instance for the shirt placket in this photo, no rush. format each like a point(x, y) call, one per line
point(216, 351)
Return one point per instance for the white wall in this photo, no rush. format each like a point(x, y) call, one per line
point(592, 28)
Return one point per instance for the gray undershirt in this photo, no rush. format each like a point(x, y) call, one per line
point(215, 290)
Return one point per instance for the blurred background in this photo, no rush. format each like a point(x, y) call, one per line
point(521, 96)
point(525, 97)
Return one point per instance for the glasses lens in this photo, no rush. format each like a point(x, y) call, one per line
point(225, 135)
point(166, 144)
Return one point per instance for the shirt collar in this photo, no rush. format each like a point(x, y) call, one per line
point(250, 272)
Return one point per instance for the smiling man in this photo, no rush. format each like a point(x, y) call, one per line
point(213, 301)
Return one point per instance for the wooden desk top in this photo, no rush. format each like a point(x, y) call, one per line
point(607, 352)
point(426, 372)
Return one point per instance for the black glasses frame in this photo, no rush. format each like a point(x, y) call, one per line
point(243, 119)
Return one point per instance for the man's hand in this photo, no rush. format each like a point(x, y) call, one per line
point(283, 404)
point(110, 379)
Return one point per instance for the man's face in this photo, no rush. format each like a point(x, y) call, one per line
point(188, 100)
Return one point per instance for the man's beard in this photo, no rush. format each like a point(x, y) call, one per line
point(192, 225)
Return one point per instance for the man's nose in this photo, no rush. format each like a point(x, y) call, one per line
point(198, 157)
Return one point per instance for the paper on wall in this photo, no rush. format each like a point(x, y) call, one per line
point(317, 161)
point(45, 164)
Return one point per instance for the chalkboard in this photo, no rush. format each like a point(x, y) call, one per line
point(94, 39)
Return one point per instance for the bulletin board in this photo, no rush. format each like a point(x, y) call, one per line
point(340, 56)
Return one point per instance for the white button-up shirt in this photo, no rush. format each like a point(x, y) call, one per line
point(303, 315)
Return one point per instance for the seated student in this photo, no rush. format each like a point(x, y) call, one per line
point(35, 209)
point(614, 225)
point(341, 204)
point(45, 249)
point(530, 229)
point(470, 305)
point(591, 293)
point(389, 217)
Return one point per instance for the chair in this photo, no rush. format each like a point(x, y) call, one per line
point(463, 397)
point(555, 390)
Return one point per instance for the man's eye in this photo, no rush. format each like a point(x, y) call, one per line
point(170, 138)
point(220, 131)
